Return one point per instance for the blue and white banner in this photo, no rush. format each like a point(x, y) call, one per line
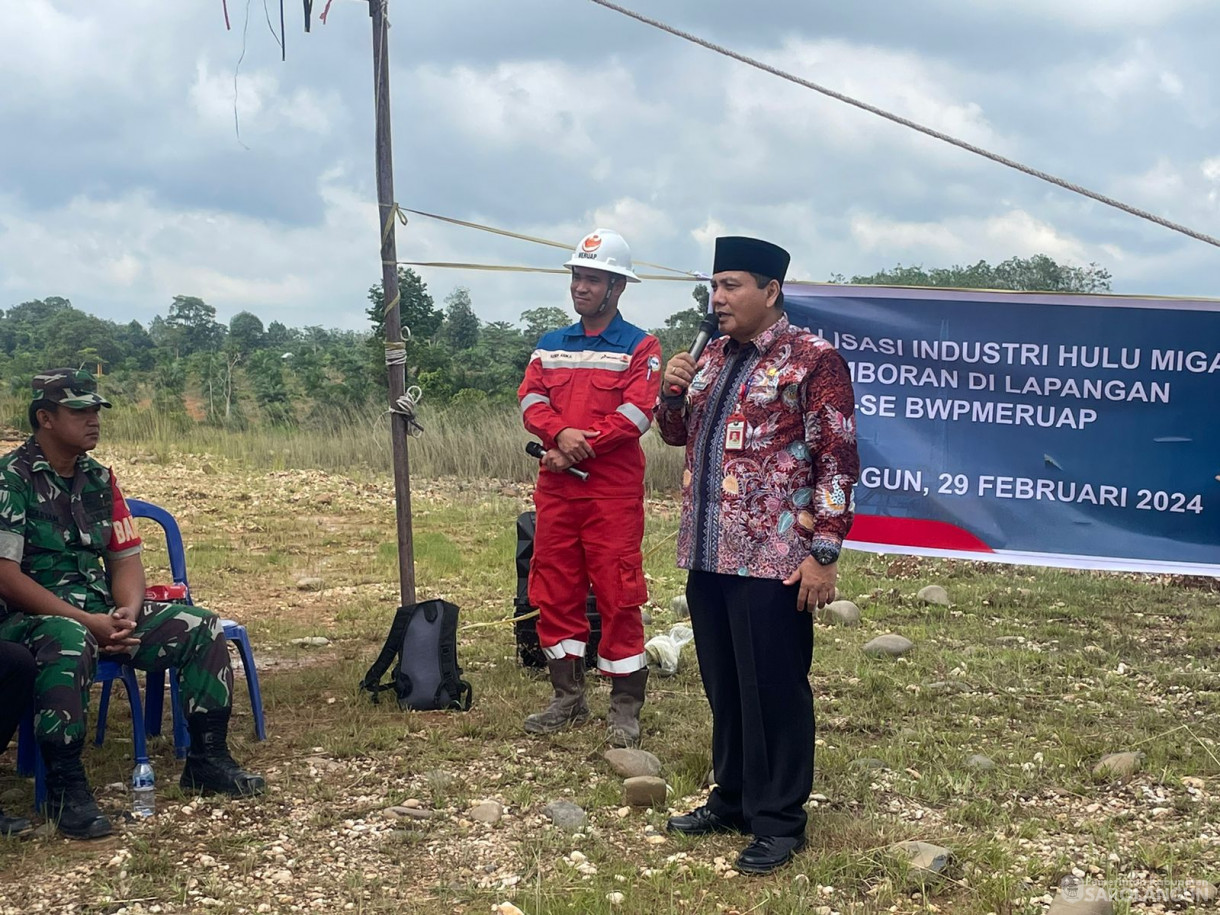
point(1078, 431)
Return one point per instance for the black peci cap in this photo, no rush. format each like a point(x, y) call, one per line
point(753, 255)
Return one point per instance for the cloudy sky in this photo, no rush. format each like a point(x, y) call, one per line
point(124, 179)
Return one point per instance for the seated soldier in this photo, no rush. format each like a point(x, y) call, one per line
point(16, 690)
point(73, 583)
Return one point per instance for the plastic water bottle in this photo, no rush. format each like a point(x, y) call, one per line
point(143, 790)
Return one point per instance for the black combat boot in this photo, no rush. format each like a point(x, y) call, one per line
point(209, 768)
point(70, 803)
point(11, 826)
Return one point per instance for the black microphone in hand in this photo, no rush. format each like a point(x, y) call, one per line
point(533, 449)
point(708, 326)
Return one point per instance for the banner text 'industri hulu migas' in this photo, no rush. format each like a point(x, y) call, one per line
point(1061, 430)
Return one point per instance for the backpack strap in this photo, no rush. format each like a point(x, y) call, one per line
point(457, 691)
point(445, 697)
point(393, 645)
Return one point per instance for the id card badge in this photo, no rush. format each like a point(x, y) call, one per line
point(735, 433)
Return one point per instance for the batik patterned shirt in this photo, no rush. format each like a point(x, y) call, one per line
point(758, 511)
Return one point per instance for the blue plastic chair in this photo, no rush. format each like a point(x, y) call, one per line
point(234, 632)
point(29, 760)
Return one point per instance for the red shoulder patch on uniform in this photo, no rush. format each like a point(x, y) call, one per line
point(124, 535)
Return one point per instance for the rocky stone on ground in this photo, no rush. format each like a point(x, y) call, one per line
point(409, 813)
point(310, 584)
point(841, 612)
point(1076, 899)
point(923, 856)
point(631, 762)
point(889, 645)
point(1203, 892)
point(1119, 765)
point(980, 763)
point(565, 815)
point(679, 607)
point(321, 764)
point(644, 791)
point(486, 812)
point(934, 594)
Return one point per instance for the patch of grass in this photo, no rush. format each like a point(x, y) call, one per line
point(1042, 671)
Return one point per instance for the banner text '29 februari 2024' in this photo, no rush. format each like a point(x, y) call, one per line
point(1059, 430)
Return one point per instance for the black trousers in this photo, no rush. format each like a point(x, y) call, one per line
point(755, 650)
point(16, 688)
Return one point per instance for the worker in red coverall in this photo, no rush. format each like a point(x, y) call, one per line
point(588, 395)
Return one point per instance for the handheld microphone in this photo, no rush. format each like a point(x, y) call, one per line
point(533, 449)
point(708, 326)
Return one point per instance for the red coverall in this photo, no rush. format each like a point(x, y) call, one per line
point(590, 532)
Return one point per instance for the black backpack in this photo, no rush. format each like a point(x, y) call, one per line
point(424, 639)
point(525, 614)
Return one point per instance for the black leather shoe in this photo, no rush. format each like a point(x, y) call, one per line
point(701, 822)
point(11, 826)
point(766, 853)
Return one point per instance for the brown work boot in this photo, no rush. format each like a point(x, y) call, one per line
point(626, 700)
point(568, 706)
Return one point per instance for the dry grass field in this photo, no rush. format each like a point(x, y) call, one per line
point(1043, 672)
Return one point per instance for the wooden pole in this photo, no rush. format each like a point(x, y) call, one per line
point(389, 282)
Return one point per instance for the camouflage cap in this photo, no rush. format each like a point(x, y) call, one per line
point(74, 388)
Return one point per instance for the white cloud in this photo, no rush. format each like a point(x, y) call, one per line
point(216, 96)
point(959, 241)
point(122, 183)
point(565, 109)
point(133, 249)
point(1104, 15)
point(1135, 70)
point(258, 100)
point(56, 48)
point(930, 93)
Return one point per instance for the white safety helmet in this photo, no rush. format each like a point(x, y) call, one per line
point(604, 249)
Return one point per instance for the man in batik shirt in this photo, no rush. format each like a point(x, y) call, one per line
point(767, 420)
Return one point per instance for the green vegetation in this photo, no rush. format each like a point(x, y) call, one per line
point(1043, 671)
point(191, 370)
point(1037, 273)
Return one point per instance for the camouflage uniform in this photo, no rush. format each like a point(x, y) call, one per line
point(62, 531)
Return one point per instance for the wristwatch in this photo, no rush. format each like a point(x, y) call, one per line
point(824, 552)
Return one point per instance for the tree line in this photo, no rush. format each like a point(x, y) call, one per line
point(190, 364)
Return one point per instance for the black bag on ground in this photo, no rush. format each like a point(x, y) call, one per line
point(423, 638)
point(525, 615)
